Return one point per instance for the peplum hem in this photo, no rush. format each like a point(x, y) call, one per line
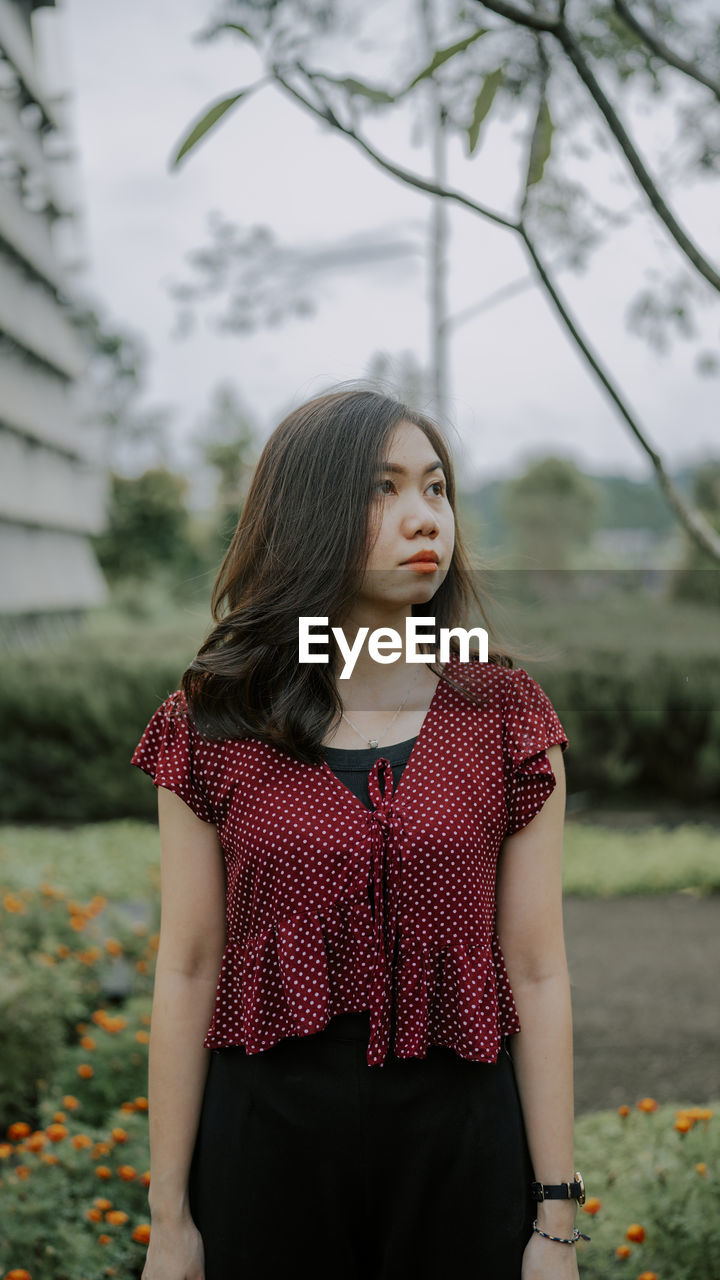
point(286, 980)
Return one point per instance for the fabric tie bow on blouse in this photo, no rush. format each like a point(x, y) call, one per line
point(388, 834)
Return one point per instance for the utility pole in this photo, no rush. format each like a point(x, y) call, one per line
point(439, 230)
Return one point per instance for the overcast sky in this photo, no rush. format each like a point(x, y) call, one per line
point(518, 387)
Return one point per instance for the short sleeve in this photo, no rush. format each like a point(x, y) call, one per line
point(531, 725)
point(167, 752)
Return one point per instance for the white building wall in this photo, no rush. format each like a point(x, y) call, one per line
point(53, 475)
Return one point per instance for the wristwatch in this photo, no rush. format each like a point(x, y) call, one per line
point(574, 1190)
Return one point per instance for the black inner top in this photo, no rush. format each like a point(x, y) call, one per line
point(352, 766)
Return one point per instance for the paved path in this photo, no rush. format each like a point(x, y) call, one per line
point(645, 981)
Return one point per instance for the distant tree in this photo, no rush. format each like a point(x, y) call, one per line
point(116, 376)
point(226, 441)
point(551, 512)
point(404, 377)
point(698, 579)
point(148, 533)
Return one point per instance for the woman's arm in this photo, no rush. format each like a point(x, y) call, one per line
point(192, 938)
point(529, 924)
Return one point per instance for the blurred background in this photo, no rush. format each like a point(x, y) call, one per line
point(505, 214)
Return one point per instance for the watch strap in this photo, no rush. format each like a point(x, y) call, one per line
point(558, 1191)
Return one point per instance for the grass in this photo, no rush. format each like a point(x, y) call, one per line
point(121, 859)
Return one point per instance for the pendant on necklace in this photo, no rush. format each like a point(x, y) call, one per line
point(373, 743)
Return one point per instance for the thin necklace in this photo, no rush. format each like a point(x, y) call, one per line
point(374, 742)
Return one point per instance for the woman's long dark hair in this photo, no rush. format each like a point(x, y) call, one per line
point(300, 548)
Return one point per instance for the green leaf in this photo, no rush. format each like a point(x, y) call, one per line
point(541, 144)
point(483, 103)
point(356, 87)
point(443, 55)
point(207, 121)
point(212, 31)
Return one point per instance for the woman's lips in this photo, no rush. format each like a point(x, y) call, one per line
point(423, 566)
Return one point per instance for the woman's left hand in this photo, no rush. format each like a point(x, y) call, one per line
point(547, 1260)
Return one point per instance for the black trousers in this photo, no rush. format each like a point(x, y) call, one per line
point(306, 1157)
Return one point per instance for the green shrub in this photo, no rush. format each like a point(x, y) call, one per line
point(642, 1172)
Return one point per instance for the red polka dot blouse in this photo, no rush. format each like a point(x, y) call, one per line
point(301, 850)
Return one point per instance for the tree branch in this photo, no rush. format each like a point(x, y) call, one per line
point(661, 50)
point(405, 175)
point(566, 39)
point(699, 529)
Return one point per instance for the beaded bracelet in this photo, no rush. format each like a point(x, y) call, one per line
point(576, 1235)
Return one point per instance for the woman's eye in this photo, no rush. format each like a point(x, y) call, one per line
point(436, 484)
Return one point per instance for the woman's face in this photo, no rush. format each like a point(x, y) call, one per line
point(413, 513)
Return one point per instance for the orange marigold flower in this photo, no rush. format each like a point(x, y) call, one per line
point(59, 1117)
point(145, 1178)
point(683, 1124)
point(647, 1104)
point(87, 1042)
point(18, 1273)
point(127, 1173)
point(22, 1171)
point(623, 1111)
point(141, 1104)
point(85, 1070)
point(104, 1239)
point(36, 1141)
point(81, 1141)
point(99, 1016)
point(94, 1215)
point(118, 1135)
point(63, 949)
point(142, 1233)
point(704, 1113)
point(701, 1168)
point(102, 1203)
point(70, 1102)
point(142, 1037)
point(113, 947)
point(648, 1275)
point(6, 1150)
point(44, 958)
point(13, 904)
point(20, 1129)
point(98, 901)
point(102, 1171)
point(141, 966)
point(78, 923)
point(145, 1017)
point(116, 1216)
point(154, 941)
point(592, 1205)
point(101, 1149)
point(48, 1158)
point(623, 1251)
point(81, 1028)
point(117, 1023)
point(635, 1232)
point(127, 1106)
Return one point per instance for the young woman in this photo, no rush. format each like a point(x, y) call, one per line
point(361, 1045)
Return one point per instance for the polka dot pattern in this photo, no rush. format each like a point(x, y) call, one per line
point(302, 854)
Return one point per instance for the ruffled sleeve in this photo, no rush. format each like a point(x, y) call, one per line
point(168, 751)
point(531, 726)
